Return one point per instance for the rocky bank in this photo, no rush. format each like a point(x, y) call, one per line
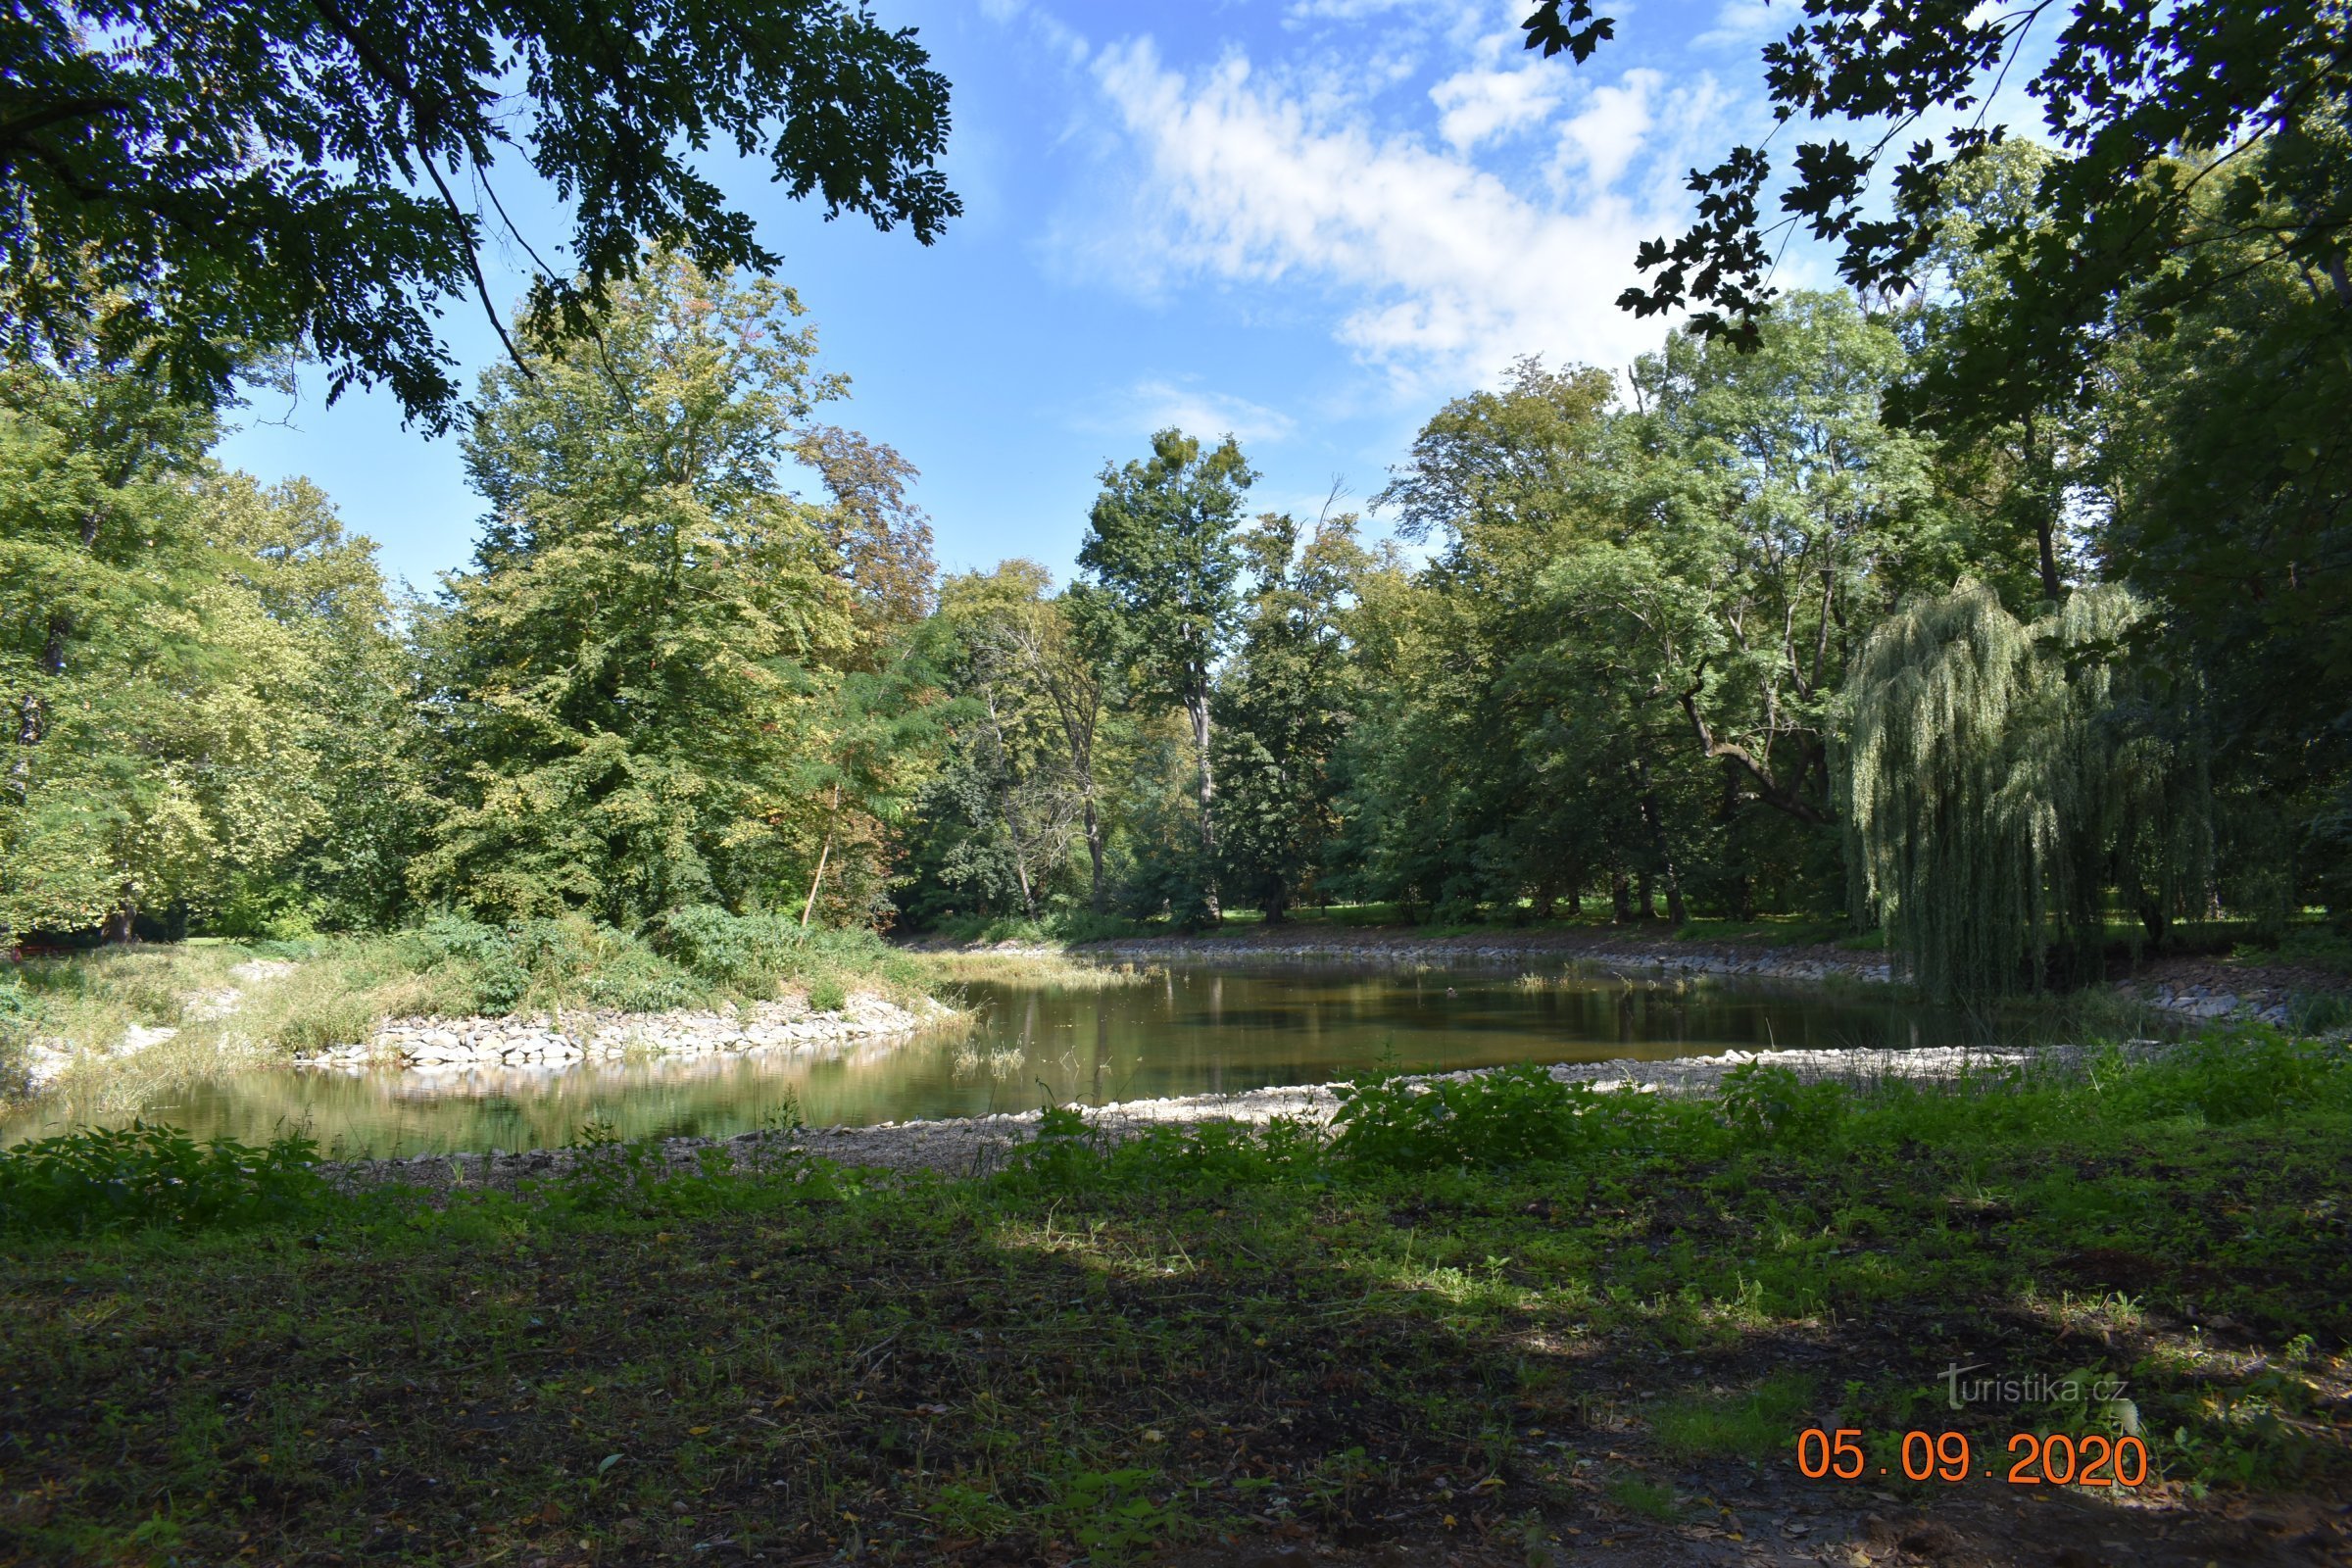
point(555, 1040)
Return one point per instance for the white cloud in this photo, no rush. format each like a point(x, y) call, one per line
point(1612, 128)
point(1440, 271)
point(1057, 36)
point(1476, 106)
point(1740, 22)
point(1157, 403)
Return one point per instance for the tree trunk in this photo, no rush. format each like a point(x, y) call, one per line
point(1621, 897)
point(1727, 812)
point(1645, 893)
point(1094, 849)
point(1197, 705)
point(2045, 521)
point(823, 853)
point(122, 926)
point(1655, 820)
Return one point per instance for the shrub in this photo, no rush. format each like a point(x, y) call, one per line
point(2237, 1075)
point(1772, 1104)
point(141, 1175)
point(750, 952)
point(1507, 1116)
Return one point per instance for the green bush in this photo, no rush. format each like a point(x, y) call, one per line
point(750, 952)
point(1507, 1116)
point(138, 1176)
point(2239, 1074)
point(1772, 1104)
point(1068, 1156)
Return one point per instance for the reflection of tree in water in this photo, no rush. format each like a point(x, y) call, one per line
point(1202, 1033)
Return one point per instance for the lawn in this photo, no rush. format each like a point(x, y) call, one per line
point(1504, 1321)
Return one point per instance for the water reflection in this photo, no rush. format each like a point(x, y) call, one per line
point(1187, 1032)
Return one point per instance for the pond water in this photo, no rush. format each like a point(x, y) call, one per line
point(1184, 1031)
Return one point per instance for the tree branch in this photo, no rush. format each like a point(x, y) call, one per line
point(1770, 790)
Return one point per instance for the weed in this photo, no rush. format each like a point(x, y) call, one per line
point(1651, 1499)
point(99, 1179)
point(1750, 1427)
point(1774, 1104)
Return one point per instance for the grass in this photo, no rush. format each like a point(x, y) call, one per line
point(1453, 1321)
point(1045, 968)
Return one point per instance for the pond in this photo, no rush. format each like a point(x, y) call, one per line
point(1184, 1031)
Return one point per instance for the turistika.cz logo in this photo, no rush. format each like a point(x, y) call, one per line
point(2030, 1388)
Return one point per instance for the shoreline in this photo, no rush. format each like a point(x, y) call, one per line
point(979, 1146)
point(2191, 988)
point(433, 1045)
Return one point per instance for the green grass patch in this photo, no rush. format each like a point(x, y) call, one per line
point(1410, 1328)
point(1753, 1426)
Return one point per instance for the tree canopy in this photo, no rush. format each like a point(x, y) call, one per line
point(183, 184)
point(2167, 119)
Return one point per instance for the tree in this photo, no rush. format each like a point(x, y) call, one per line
point(881, 537)
point(2022, 467)
point(1772, 515)
point(172, 642)
point(2224, 463)
point(2004, 778)
point(2157, 111)
point(1020, 751)
point(361, 811)
point(1450, 797)
point(182, 181)
point(97, 547)
point(1283, 706)
point(1161, 545)
point(640, 676)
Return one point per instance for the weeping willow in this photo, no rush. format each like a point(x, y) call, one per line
point(2006, 779)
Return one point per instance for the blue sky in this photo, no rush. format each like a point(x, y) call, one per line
point(1306, 222)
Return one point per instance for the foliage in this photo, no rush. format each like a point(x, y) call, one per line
point(1162, 549)
point(187, 184)
point(97, 1179)
point(2002, 783)
point(1506, 1117)
point(2159, 113)
point(1283, 709)
point(1019, 792)
point(647, 682)
point(1766, 1105)
point(188, 660)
